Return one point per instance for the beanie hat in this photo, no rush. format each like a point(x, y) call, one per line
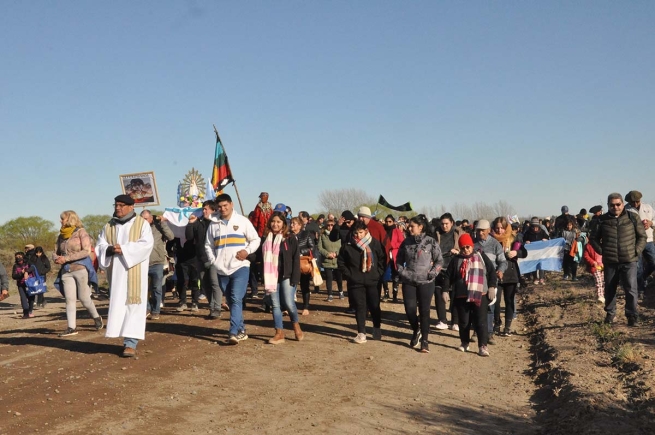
point(465, 240)
point(535, 221)
point(364, 212)
point(348, 215)
point(565, 209)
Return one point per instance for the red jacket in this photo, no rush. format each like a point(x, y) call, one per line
point(396, 239)
point(260, 219)
point(592, 258)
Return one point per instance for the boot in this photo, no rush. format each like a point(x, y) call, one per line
point(395, 295)
point(385, 298)
point(298, 332)
point(278, 338)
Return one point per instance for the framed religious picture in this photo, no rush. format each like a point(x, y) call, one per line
point(141, 187)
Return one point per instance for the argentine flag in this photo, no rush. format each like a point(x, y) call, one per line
point(543, 256)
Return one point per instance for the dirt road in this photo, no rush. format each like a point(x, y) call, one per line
point(186, 380)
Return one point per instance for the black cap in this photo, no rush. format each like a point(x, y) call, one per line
point(125, 199)
point(348, 215)
point(596, 209)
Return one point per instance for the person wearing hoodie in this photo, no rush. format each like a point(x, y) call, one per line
point(231, 238)
point(419, 262)
point(361, 261)
point(472, 277)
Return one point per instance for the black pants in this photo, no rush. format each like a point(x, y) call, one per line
point(570, 266)
point(186, 273)
point(26, 301)
point(365, 297)
point(331, 274)
point(422, 296)
point(468, 313)
point(305, 281)
point(508, 293)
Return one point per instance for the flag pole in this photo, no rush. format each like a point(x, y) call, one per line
point(234, 183)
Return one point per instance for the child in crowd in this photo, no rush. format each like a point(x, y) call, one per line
point(20, 272)
point(595, 265)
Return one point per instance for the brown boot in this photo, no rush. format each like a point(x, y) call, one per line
point(278, 338)
point(298, 332)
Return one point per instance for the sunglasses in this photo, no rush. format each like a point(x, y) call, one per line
point(616, 204)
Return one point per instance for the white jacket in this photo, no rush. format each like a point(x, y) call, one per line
point(224, 240)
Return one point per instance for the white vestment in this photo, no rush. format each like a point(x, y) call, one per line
point(126, 320)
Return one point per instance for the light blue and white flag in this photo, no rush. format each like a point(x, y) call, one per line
point(209, 190)
point(545, 255)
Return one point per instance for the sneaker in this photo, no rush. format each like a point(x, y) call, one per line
point(350, 311)
point(202, 298)
point(214, 314)
point(565, 277)
point(542, 281)
point(377, 334)
point(483, 351)
point(233, 340)
point(609, 319)
point(181, 308)
point(148, 314)
point(329, 299)
point(464, 347)
point(441, 325)
point(506, 333)
point(497, 329)
point(154, 316)
point(492, 339)
point(633, 321)
point(98, 323)
point(455, 327)
point(68, 332)
point(341, 296)
point(574, 279)
point(194, 307)
point(601, 299)
point(424, 347)
point(255, 296)
point(129, 352)
point(242, 336)
point(360, 339)
point(161, 305)
point(415, 342)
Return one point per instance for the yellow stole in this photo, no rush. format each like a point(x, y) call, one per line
point(134, 272)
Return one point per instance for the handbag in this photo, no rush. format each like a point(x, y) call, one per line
point(316, 274)
point(35, 285)
point(306, 267)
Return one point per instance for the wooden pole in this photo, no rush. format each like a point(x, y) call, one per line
point(234, 183)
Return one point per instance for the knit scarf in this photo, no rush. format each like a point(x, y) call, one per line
point(505, 239)
point(367, 254)
point(472, 272)
point(271, 252)
point(67, 232)
point(133, 273)
point(265, 206)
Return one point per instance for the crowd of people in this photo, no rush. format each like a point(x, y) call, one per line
point(467, 269)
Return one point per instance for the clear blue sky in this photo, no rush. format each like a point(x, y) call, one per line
point(435, 102)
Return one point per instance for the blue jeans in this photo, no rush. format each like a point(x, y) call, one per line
point(626, 273)
point(156, 275)
point(234, 288)
point(130, 342)
point(645, 266)
point(285, 294)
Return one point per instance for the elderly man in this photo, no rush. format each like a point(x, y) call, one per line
point(620, 238)
point(161, 233)
point(494, 251)
point(231, 238)
point(646, 264)
point(123, 249)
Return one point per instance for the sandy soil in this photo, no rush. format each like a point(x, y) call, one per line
point(186, 380)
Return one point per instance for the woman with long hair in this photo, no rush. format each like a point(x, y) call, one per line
point(329, 252)
point(72, 252)
point(514, 249)
point(361, 261)
point(306, 248)
point(281, 260)
point(419, 263)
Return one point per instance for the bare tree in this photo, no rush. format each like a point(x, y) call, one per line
point(503, 208)
point(336, 201)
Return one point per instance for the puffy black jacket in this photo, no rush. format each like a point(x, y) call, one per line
point(350, 264)
point(619, 239)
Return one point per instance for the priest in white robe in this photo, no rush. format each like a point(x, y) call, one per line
point(123, 250)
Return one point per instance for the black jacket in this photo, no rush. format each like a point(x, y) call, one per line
point(41, 263)
point(350, 264)
point(453, 278)
point(289, 260)
point(197, 231)
point(512, 274)
point(619, 239)
point(531, 236)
